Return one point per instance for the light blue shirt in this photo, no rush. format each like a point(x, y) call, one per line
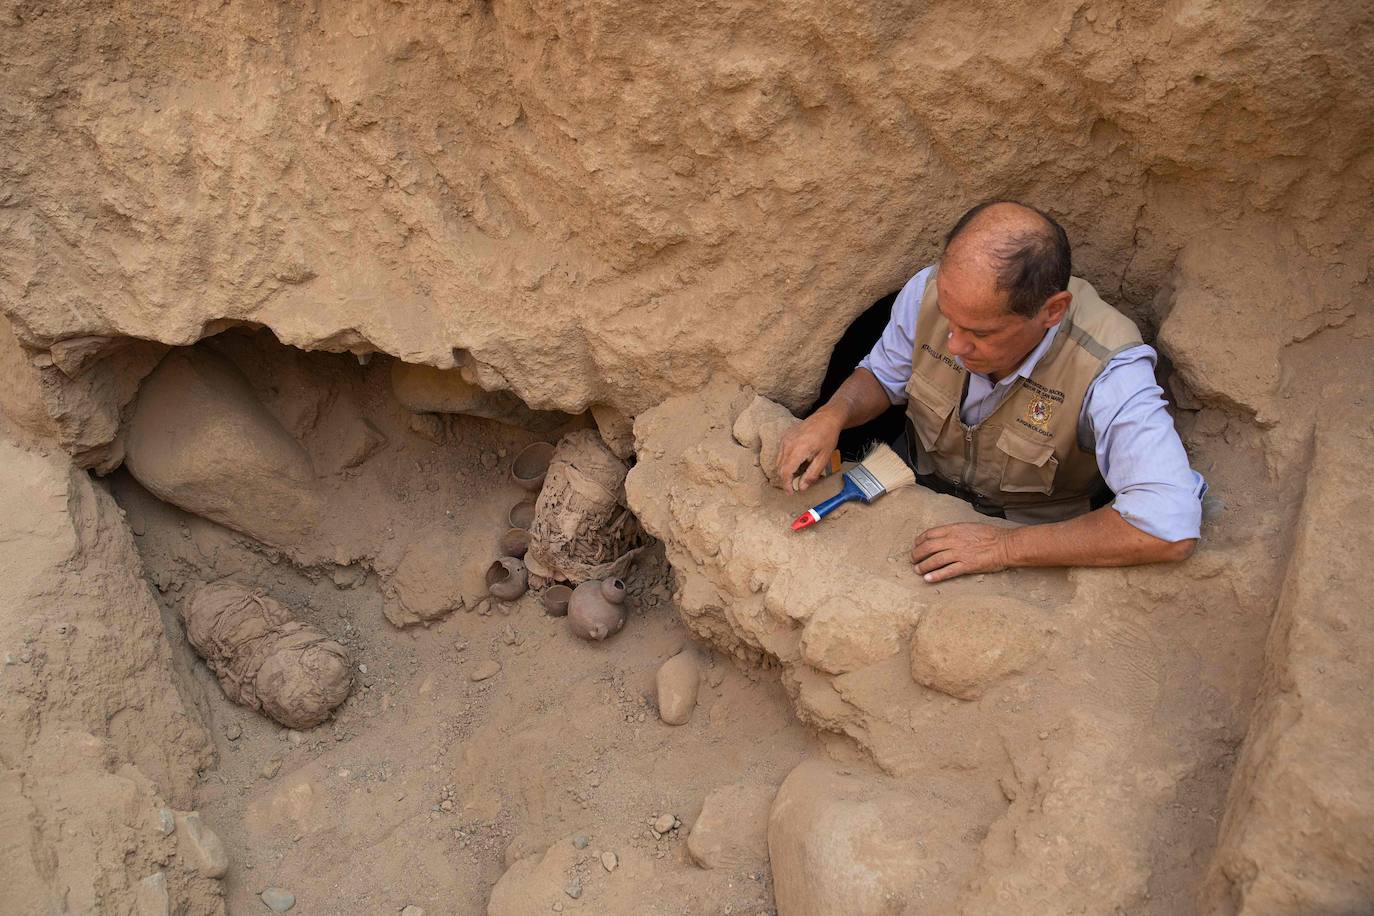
point(1124, 421)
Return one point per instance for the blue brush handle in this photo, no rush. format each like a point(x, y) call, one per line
point(848, 493)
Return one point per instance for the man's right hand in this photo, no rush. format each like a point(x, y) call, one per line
point(805, 448)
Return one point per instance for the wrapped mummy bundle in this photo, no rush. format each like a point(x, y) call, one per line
point(264, 658)
point(582, 529)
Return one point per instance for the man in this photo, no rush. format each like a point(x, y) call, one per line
point(1026, 395)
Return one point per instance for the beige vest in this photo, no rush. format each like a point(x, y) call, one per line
point(1024, 458)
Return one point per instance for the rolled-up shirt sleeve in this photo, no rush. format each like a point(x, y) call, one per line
point(1138, 449)
point(890, 358)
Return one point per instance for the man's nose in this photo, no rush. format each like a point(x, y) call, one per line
point(959, 344)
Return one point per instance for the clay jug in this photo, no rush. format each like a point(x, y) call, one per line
point(597, 609)
point(507, 579)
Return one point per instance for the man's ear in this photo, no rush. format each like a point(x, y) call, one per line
point(1052, 312)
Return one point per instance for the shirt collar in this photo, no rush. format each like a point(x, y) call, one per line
point(1027, 365)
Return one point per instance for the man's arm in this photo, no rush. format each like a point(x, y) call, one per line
point(872, 388)
point(810, 442)
point(1157, 513)
point(1100, 538)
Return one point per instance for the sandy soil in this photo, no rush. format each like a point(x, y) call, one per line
point(427, 785)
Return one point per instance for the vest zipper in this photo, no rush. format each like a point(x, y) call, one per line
point(967, 477)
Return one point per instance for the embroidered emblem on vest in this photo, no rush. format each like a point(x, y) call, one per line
point(1039, 411)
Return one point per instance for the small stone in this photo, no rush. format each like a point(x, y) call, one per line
point(489, 460)
point(558, 906)
point(278, 899)
point(581, 842)
point(678, 680)
point(509, 636)
point(213, 860)
point(151, 897)
point(271, 768)
point(609, 861)
point(446, 805)
point(484, 670)
point(166, 821)
point(233, 731)
point(574, 889)
point(413, 910)
point(664, 823)
point(295, 737)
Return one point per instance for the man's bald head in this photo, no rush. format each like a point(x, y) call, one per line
point(1022, 250)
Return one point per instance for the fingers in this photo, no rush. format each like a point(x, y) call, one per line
point(953, 570)
point(814, 470)
point(790, 457)
point(937, 560)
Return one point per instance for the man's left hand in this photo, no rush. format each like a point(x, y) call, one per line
point(958, 550)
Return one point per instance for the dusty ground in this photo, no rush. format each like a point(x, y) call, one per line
point(645, 212)
point(426, 786)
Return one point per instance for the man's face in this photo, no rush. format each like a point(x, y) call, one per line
point(986, 337)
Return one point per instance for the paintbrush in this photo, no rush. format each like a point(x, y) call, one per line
point(881, 471)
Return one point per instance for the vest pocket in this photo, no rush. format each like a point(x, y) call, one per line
point(1028, 467)
point(928, 409)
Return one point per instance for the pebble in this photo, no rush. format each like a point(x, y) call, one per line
point(446, 804)
point(574, 889)
point(295, 737)
point(581, 842)
point(488, 460)
point(167, 822)
point(214, 860)
point(271, 768)
point(664, 823)
point(413, 910)
point(278, 899)
point(678, 680)
point(233, 731)
point(609, 861)
point(484, 670)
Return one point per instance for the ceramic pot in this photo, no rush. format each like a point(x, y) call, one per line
point(597, 609)
point(531, 464)
point(514, 543)
point(521, 514)
point(507, 579)
point(556, 601)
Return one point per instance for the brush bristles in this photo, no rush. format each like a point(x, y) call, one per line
point(888, 468)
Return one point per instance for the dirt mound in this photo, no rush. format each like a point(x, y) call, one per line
point(391, 177)
point(97, 748)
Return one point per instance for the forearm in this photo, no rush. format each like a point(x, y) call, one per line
point(1100, 538)
point(858, 400)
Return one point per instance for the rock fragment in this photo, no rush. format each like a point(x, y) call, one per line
point(845, 844)
point(201, 440)
point(484, 670)
point(151, 897)
point(962, 648)
point(678, 680)
point(208, 855)
point(610, 861)
point(278, 899)
point(732, 829)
